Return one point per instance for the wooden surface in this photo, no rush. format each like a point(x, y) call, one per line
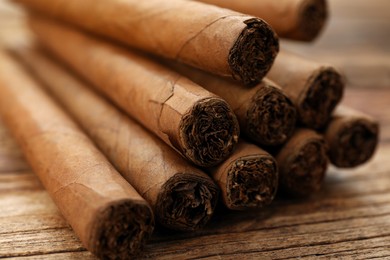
point(349, 218)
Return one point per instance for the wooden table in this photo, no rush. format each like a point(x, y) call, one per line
point(349, 218)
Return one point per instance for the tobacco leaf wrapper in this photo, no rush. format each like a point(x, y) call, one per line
point(248, 178)
point(198, 124)
point(302, 162)
point(352, 137)
point(111, 219)
point(208, 37)
point(295, 19)
point(182, 197)
point(314, 88)
point(265, 113)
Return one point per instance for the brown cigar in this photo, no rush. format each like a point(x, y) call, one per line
point(181, 196)
point(302, 162)
point(248, 178)
point(352, 137)
point(314, 88)
point(294, 19)
point(265, 114)
point(200, 125)
point(208, 37)
point(111, 219)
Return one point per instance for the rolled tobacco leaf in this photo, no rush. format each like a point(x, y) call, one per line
point(295, 19)
point(111, 219)
point(198, 124)
point(314, 88)
point(208, 37)
point(265, 113)
point(352, 137)
point(248, 178)
point(182, 197)
point(302, 163)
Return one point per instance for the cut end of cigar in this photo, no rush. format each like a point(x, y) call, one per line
point(271, 117)
point(209, 132)
point(252, 182)
point(121, 230)
point(324, 91)
point(254, 52)
point(313, 15)
point(355, 143)
point(187, 202)
point(306, 169)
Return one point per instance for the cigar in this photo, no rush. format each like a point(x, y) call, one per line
point(352, 137)
point(111, 219)
point(214, 39)
point(294, 19)
point(314, 88)
point(265, 113)
point(248, 178)
point(302, 163)
point(197, 123)
point(181, 196)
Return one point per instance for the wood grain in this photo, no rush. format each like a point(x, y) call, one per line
point(348, 219)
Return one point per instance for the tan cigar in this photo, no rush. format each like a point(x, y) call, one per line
point(265, 113)
point(314, 88)
point(248, 178)
point(218, 40)
point(295, 19)
point(302, 162)
point(198, 124)
point(181, 196)
point(111, 219)
point(352, 137)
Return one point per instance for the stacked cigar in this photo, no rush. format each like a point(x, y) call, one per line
point(125, 135)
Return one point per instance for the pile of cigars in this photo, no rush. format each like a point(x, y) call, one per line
point(134, 112)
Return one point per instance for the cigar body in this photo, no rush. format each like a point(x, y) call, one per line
point(314, 88)
point(198, 124)
point(248, 178)
point(111, 219)
point(352, 137)
point(302, 163)
point(265, 113)
point(295, 19)
point(214, 39)
point(182, 197)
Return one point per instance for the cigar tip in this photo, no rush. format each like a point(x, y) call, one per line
point(303, 171)
point(121, 230)
point(254, 52)
point(209, 132)
point(312, 18)
point(324, 91)
point(358, 138)
point(252, 182)
point(271, 117)
point(187, 201)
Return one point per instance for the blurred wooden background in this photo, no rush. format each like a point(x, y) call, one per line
point(349, 218)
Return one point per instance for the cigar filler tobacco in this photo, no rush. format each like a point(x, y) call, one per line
point(302, 162)
point(352, 137)
point(198, 124)
point(214, 39)
point(248, 178)
point(182, 197)
point(111, 219)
